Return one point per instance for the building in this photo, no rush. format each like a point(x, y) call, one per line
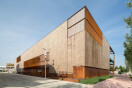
point(77, 49)
point(10, 67)
point(2, 68)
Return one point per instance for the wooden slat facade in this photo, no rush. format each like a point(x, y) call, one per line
point(92, 22)
point(18, 59)
point(35, 72)
point(36, 61)
point(89, 28)
point(84, 72)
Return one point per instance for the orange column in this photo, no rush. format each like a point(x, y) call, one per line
point(113, 64)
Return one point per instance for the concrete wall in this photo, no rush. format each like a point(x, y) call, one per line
point(76, 40)
point(76, 17)
point(56, 44)
point(96, 55)
point(76, 50)
point(105, 54)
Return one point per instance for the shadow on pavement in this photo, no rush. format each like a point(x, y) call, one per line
point(69, 86)
point(15, 80)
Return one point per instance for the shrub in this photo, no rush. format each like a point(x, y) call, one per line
point(119, 72)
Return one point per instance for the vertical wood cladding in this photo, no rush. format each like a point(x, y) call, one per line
point(35, 72)
point(92, 27)
point(90, 19)
point(92, 32)
point(84, 72)
point(36, 61)
point(78, 72)
point(18, 59)
point(91, 72)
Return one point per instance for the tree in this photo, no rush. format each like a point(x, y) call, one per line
point(128, 41)
point(122, 69)
point(116, 67)
point(127, 67)
point(111, 68)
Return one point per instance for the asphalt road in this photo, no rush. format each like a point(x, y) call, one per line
point(23, 81)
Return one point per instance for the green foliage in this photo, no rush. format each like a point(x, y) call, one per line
point(130, 77)
point(111, 68)
point(119, 72)
point(128, 50)
point(129, 4)
point(94, 80)
point(128, 41)
point(129, 21)
point(116, 67)
point(127, 66)
point(122, 69)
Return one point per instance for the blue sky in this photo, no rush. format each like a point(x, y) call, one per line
point(24, 22)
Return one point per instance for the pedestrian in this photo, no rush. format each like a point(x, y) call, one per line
point(61, 76)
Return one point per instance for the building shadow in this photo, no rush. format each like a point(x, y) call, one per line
point(69, 85)
point(24, 77)
point(17, 80)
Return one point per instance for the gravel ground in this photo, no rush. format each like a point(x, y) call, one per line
point(22, 81)
point(119, 81)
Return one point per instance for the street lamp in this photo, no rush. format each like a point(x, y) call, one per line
point(45, 61)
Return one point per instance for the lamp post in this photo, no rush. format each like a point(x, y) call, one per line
point(45, 61)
